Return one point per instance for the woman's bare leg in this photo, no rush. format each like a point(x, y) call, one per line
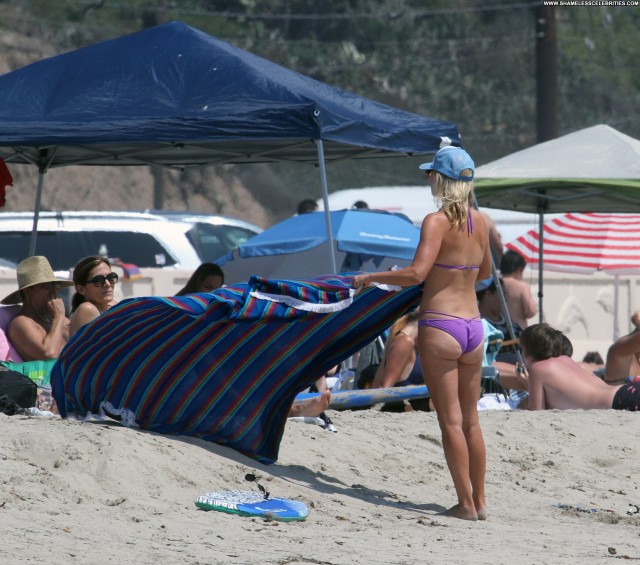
point(440, 362)
point(469, 375)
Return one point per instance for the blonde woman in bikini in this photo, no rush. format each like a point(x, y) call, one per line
point(452, 254)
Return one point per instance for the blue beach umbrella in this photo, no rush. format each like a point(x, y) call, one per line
point(298, 247)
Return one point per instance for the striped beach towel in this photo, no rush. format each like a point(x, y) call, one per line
point(222, 366)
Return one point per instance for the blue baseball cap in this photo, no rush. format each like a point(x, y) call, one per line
point(451, 161)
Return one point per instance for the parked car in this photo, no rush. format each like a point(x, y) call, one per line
point(156, 240)
point(212, 235)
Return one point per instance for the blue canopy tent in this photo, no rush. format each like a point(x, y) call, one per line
point(176, 97)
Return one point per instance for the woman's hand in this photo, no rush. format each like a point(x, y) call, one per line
point(360, 282)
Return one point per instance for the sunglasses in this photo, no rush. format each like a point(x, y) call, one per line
point(51, 285)
point(99, 280)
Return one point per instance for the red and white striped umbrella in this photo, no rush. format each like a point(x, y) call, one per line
point(585, 243)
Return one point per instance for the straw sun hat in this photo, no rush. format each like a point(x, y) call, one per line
point(32, 271)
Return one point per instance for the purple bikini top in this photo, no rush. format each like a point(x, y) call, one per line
point(462, 267)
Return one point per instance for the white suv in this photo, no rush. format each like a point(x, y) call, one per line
point(212, 236)
point(149, 240)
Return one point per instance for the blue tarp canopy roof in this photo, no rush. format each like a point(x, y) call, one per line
point(175, 96)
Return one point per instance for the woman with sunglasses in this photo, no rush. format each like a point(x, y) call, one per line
point(95, 282)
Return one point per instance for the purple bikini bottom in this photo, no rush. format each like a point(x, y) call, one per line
point(468, 332)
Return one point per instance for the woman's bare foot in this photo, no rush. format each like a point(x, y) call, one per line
point(312, 406)
point(464, 514)
point(481, 507)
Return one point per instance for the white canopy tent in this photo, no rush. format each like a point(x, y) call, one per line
point(596, 169)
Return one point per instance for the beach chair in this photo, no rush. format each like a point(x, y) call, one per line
point(494, 340)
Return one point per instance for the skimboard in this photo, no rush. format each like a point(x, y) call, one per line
point(345, 399)
point(248, 503)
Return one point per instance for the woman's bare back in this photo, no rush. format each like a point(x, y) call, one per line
point(450, 288)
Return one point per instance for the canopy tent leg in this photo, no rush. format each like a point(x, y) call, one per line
point(540, 264)
point(616, 304)
point(36, 213)
point(46, 157)
point(325, 200)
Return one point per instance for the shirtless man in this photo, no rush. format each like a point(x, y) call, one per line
point(622, 357)
point(558, 382)
point(41, 329)
point(517, 292)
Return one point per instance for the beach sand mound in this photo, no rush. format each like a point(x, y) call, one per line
point(560, 485)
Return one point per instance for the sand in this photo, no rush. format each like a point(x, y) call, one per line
point(559, 487)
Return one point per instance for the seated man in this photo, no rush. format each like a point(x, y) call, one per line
point(557, 382)
point(622, 356)
point(41, 329)
point(517, 292)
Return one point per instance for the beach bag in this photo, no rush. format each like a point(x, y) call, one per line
point(18, 389)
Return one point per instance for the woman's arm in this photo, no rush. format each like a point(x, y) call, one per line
point(536, 390)
point(84, 314)
point(431, 234)
point(485, 271)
